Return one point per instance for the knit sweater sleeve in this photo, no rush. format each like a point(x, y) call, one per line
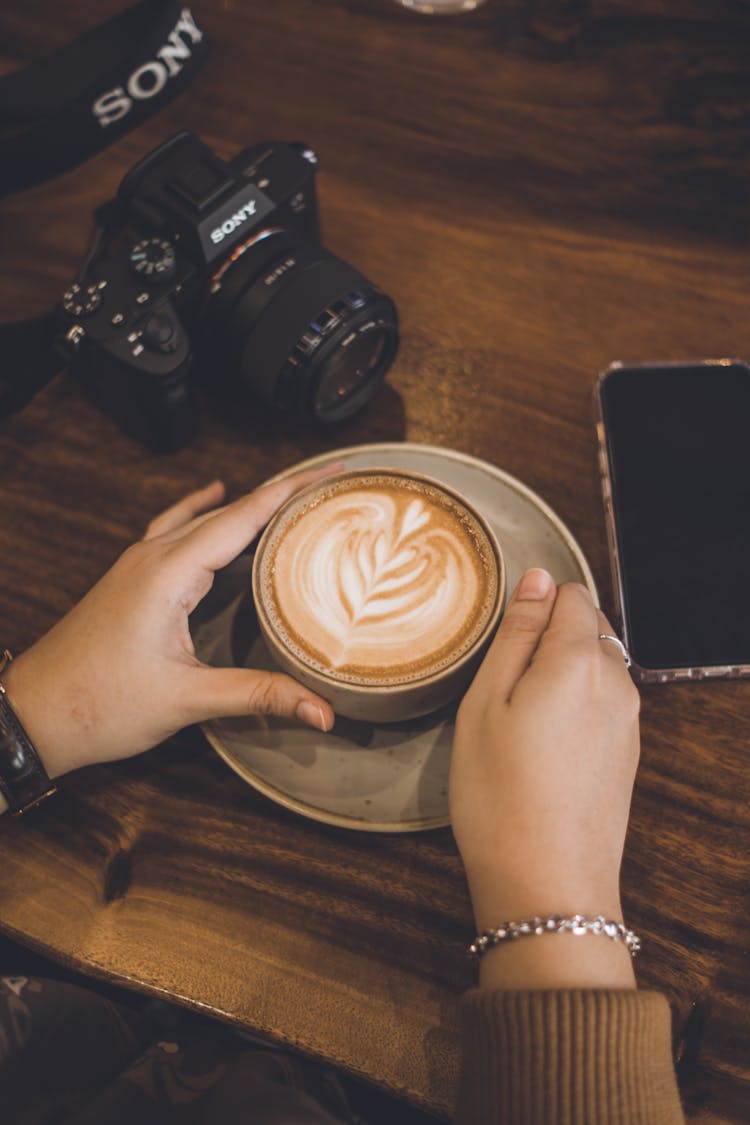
point(567, 1058)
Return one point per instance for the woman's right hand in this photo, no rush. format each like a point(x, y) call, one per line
point(544, 759)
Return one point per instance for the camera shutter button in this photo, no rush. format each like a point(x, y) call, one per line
point(160, 333)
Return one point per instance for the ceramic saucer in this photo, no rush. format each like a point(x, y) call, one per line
point(371, 778)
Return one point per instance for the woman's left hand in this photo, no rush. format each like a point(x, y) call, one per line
point(118, 673)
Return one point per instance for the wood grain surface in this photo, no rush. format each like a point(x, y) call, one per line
point(542, 187)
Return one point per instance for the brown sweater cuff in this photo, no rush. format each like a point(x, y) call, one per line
point(567, 1058)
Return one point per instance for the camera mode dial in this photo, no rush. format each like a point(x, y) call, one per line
point(83, 300)
point(153, 258)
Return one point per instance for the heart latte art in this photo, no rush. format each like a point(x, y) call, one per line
point(379, 580)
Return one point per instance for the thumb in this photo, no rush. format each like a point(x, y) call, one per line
point(524, 622)
point(226, 692)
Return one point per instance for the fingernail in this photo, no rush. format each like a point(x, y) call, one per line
point(534, 586)
point(312, 714)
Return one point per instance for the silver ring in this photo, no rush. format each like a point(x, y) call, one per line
point(616, 641)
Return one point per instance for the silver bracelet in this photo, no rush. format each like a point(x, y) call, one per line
point(555, 924)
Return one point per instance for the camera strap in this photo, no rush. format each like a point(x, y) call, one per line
point(64, 108)
point(30, 360)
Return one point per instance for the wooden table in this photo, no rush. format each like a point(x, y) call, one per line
point(542, 187)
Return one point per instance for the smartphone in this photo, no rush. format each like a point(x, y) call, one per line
point(674, 457)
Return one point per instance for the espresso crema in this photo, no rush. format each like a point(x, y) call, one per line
point(379, 580)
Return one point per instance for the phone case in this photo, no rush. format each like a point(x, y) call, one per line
point(638, 672)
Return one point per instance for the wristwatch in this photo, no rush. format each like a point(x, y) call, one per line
point(24, 781)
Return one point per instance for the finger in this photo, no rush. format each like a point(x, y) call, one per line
point(610, 650)
point(523, 624)
point(573, 621)
point(217, 541)
point(228, 692)
point(180, 533)
point(603, 623)
point(186, 509)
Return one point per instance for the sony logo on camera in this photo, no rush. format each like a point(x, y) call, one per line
point(151, 77)
point(230, 224)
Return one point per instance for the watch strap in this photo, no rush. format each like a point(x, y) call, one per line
point(24, 782)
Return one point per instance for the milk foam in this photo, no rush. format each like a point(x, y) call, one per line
point(380, 580)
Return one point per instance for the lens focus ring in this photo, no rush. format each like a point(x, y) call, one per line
point(300, 329)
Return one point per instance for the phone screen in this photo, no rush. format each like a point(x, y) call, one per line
point(678, 446)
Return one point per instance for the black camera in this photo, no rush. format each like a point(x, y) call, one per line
point(214, 265)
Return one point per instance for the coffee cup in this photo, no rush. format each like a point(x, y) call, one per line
point(380, 590)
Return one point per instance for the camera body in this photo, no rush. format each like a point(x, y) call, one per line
point(216, 265)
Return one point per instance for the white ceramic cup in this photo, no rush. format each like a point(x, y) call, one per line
point(397, 557)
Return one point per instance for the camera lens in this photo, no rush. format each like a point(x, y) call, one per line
point(300, 329)
point(348, 370)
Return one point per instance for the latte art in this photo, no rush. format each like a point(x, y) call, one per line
point(380, 580)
